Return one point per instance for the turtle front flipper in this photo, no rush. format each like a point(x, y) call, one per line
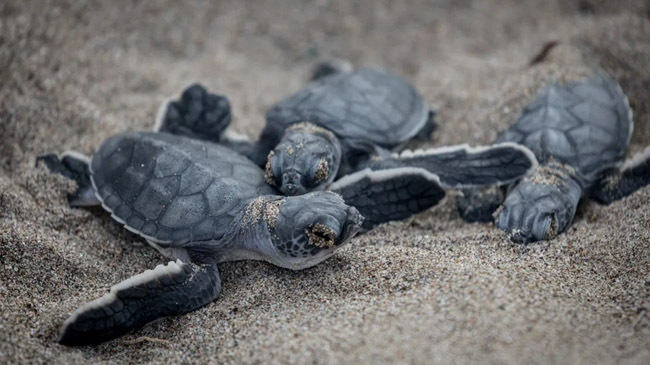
point(206, 116)
point(390, 194)
point(197, 114)
point(73, 165)
point(618, 184)
point(168, 290)
point(463, 166)
point(479, 205)
point(429, 127)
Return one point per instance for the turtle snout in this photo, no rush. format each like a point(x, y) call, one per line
point(290, 189)
point(291, 183)
point(352, 224)
point(354, 217)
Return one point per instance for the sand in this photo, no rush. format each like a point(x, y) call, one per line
point(430, 289)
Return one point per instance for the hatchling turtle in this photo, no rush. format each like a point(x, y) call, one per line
point(579, 132)
point(199, 204)
point(341, 123)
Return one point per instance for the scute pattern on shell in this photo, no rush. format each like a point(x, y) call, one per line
point(173, 189)
point(369, 104)
point(586, 125)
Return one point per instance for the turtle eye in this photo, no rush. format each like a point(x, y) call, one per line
point(320, 171)
point(269, 176)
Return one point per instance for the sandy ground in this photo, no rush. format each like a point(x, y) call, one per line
point(430, 289)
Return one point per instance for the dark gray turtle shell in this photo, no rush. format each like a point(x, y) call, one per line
point(586, 125)
point(173, 189)
point(367, 104)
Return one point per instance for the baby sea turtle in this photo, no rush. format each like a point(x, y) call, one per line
point(202, 203)
point(579, 133)
point(342, 123)
point(199, 204)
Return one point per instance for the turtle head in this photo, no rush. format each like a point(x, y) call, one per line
point(306, 159)
point(540, 206)
point(308, 228)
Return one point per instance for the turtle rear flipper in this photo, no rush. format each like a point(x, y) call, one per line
point(168, 290)
point(197, 114)
point(73, 165)
point(618, 184)
point(390, 194)
point(479, 205)
point(429, 127)
point(463, 166)
point(331, 67)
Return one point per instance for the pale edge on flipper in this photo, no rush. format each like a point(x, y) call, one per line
point(430, 195)
point(636, 160)
point(232, 136)
point(173, 267)
point(609, 189)
point(381, 175)
point(162, 110)
point(472, 150)
point(77, 155)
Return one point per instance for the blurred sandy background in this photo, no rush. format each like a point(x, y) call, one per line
point(427, 290)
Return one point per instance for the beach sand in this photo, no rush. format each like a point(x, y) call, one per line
point(430, 289)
